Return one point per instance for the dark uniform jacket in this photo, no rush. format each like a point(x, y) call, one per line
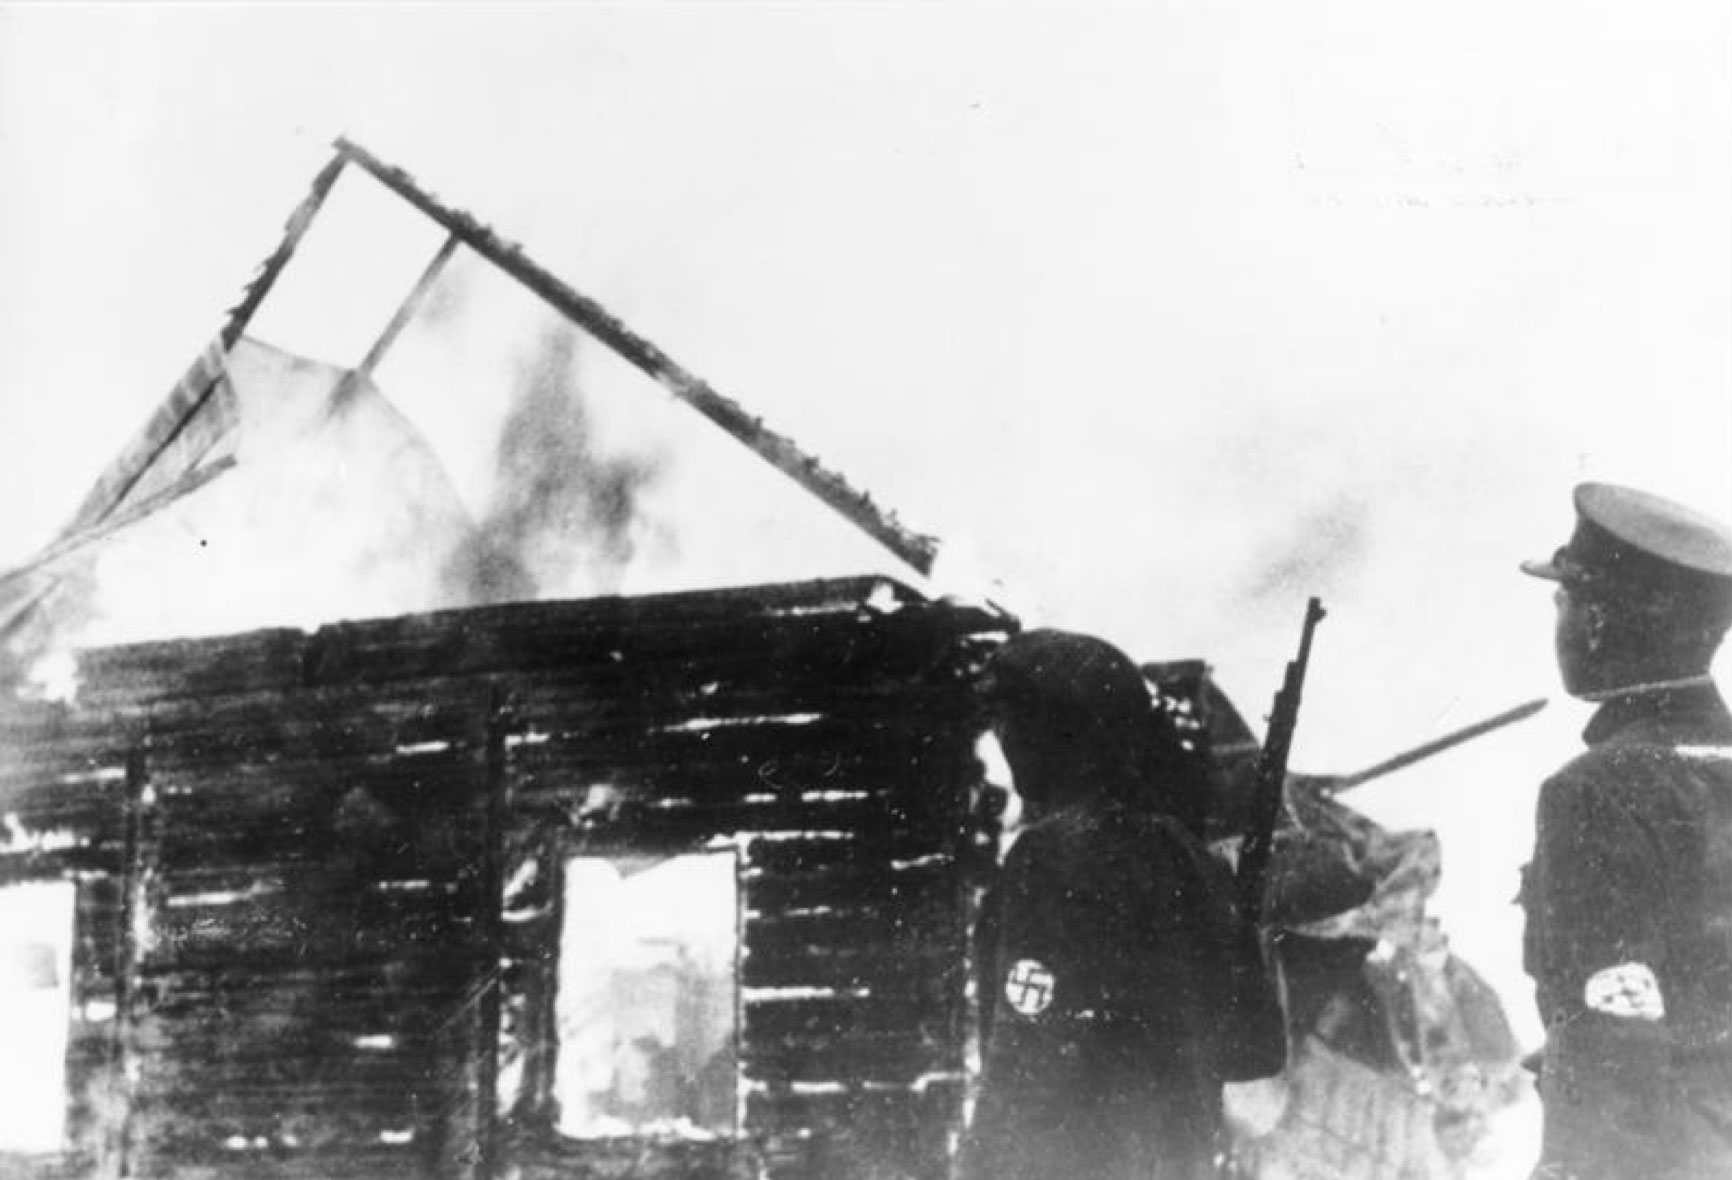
point(1111, 963)
point(1629, 943)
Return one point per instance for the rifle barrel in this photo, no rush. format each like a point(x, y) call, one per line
point(1269, 795)
point(1437, 746)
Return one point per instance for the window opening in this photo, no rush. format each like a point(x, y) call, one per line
point(35, 1013)
point(648, 997)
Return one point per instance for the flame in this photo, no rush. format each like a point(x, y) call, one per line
point(336, 507)
point(54, 677)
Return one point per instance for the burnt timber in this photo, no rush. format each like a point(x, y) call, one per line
point(316, 878)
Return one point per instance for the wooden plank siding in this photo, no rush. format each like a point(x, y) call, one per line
point(319, 878)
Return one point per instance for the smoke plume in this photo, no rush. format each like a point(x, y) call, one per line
point(1320, 548)
point(562, 520)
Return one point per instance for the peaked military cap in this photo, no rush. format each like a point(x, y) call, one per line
point(1629, 543)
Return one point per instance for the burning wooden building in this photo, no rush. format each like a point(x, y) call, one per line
point(675, 885)
point(541, 884)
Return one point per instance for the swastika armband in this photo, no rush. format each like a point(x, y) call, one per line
point(1029, 987)
point(1628, 990)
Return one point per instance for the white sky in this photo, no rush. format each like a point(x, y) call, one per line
point(1169, 316)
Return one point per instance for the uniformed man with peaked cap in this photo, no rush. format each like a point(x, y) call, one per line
point(1629, 893)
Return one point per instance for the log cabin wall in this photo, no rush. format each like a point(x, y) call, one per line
point(319, 904)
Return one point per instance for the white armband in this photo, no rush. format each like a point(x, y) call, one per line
point(1629, 990)
point(1029, 987)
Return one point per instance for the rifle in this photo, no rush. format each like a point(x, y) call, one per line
point(1270, 790)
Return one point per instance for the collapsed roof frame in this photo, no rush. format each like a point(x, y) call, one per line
point(918, 550)
point(179, 431)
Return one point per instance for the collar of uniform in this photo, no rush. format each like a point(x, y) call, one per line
point(1680, 700)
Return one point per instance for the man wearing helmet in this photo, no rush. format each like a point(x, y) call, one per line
point(1629, 893)
point(1117, 978)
